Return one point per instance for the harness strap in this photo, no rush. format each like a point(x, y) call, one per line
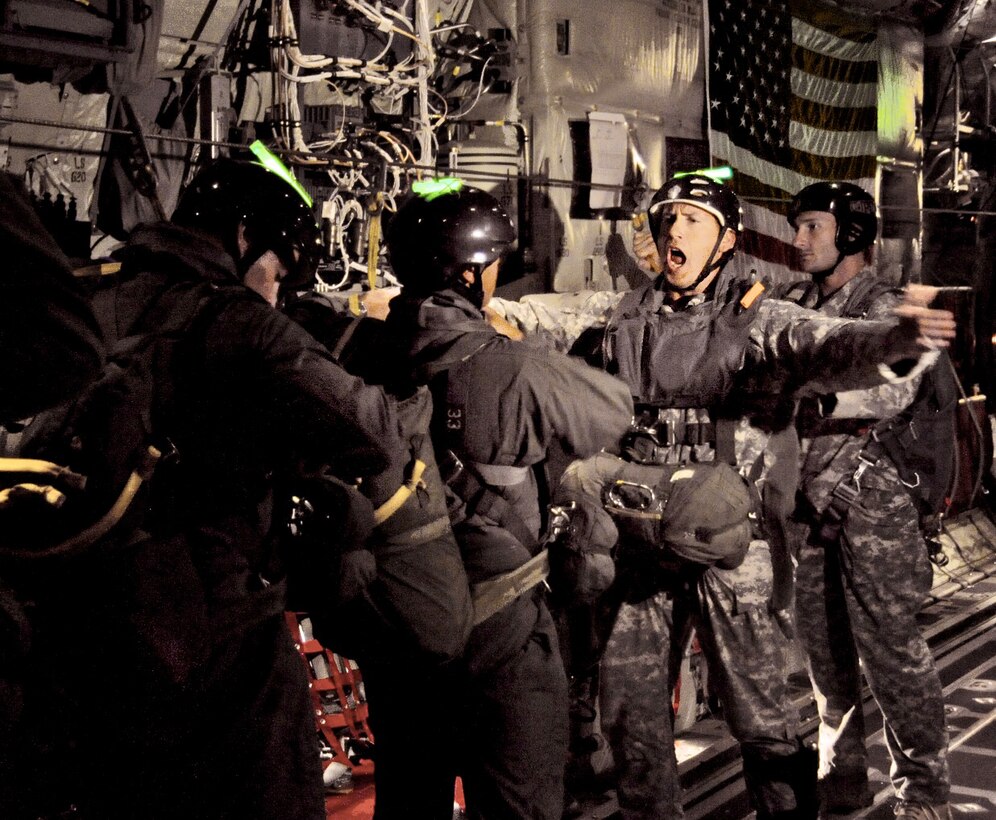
point(422, 534)
point(496, 593)
point(347, 334)
point(103, 525)
point(402, 494)
point(726, 441)
point(836, 427)
point(500, 475)
point(481, 500)
point(846, 493)
point(46, 469)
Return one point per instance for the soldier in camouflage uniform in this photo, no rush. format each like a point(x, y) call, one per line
point(858, 596)
point(695, 223)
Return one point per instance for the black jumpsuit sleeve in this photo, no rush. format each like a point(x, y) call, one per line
point(326, 413)
point(588, 409)
point(50, 343)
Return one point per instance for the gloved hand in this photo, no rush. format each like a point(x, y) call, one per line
point(328, 563)
point(729, 335)
point(581, 562)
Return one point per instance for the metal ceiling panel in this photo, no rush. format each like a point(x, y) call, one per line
point(195, 28)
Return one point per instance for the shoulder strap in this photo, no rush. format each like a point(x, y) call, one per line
point(343, 342)
point(797, 292)
point(726, 451)
point(451, 399)
point(863, 297)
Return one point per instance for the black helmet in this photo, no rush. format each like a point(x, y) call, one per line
point(435, 237)
point(853, 207)
point(276, 217)
point(702, 192)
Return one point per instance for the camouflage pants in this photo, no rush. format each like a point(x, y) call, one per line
point(744, 650)
point(859, 602)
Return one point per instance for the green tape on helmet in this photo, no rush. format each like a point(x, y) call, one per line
point(430, 189)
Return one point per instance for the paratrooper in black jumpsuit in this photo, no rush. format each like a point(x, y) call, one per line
point(500, 406)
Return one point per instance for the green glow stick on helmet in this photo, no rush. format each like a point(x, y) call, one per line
point(271, 162)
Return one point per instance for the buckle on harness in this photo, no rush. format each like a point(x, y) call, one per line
point(629, 495)
point(559, 520)
point(849, 490)
point(657, 428)
point(450, 467)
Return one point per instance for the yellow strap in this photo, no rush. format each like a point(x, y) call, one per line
point(103, 525)
point(355, 305)
point(35, 466)
point(375, 208)
point(14, 495)
point(403, 493)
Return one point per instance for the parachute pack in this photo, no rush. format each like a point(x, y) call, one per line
point(84, 466)
point(921, 440)
point(391, 577)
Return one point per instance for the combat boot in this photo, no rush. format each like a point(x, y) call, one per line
point(782, 787)
point(844, 792)
point(923, 811)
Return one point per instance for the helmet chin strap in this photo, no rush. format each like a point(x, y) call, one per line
point(706, 270)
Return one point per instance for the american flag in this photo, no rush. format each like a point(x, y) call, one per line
point(791, 100)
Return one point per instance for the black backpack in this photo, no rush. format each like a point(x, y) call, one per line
point(922, 439)
point(394, 585)
point(101, 448)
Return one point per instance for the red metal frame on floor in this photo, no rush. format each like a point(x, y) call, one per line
point(337, 682)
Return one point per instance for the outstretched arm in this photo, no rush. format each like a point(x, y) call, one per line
point(561, 317)
point(801, 352)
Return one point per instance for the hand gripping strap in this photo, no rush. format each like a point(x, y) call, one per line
point(401, 495)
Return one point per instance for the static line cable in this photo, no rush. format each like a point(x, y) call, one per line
point(309, 159)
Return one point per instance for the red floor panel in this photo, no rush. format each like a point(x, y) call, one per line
point(359, 803)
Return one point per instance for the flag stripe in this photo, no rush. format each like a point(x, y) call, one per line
point(766, 248)
point(766, 205)
point(833, 21)
point(791, 101)
point(831, 92)
point(803, 168)
point(834, 118)
point(838, 146)
point(765, 220)
point(843, 71)
point(767, 269)
point(824, 43)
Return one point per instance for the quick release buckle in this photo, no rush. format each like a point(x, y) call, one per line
point(849, 490)
point(630, 496)
point(450, 467)
point(559, 520)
